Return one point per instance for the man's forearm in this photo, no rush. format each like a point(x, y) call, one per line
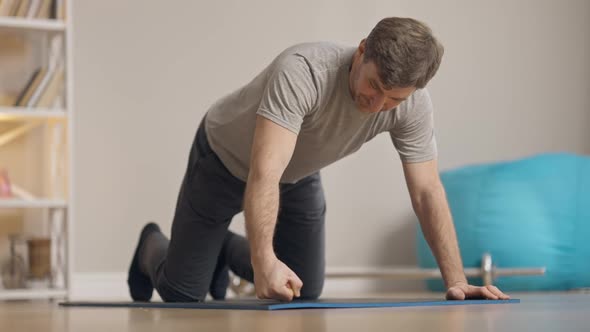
point(261, 202)
point(435, 218)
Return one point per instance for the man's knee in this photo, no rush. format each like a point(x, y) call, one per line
point(171, 291)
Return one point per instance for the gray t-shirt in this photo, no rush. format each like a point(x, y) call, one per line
point(305, 90)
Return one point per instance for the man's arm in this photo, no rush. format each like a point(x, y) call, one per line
point(430, 205)
point(272, 149)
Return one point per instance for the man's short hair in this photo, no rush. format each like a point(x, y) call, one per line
point(405, 52)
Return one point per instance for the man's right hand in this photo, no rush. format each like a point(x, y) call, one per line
point(274, 280)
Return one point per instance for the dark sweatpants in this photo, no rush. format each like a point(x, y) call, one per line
point(181, 269)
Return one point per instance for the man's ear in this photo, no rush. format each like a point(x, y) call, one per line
point(362, 46)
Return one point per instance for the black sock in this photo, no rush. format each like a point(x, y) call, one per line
point(140, 286)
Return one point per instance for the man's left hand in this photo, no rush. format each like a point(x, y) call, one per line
point(463, 291)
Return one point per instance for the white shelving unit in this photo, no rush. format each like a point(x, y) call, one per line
point(16, 23)
point(57, 208)
point(7, 113)
point(33, 204)
point(32, 294)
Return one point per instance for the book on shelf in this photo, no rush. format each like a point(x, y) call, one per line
point(52, 90)
point(44, 9)
point(6, 7)
point(23, 8)
point(31, 85)
point(33, 9)
point(42, 88)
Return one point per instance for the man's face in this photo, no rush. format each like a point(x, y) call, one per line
point(368, 92)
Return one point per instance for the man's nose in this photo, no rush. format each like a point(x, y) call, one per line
point(377, 101)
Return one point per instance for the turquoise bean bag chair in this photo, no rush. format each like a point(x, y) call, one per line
point(533, 212)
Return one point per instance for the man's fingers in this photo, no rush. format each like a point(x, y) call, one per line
point(455, 293)
point(285, 293)
point(262, 296)
point(487, 293)
point(279, 283)
point(498, 292)
point(470, 292)
point(296, 284)
point(282, 293)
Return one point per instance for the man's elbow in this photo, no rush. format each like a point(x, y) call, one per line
point(265, 174)
point(426, 195)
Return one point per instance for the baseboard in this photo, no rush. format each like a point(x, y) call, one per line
point(113, 286)
point(99, 286)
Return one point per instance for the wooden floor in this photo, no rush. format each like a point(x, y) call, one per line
point(536, 312)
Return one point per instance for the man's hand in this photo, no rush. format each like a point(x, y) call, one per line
point(463, 291)
point(431, 207)
point(274, 280)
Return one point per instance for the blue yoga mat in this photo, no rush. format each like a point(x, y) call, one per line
point(254, 304)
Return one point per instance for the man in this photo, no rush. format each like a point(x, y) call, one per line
point(260, 149)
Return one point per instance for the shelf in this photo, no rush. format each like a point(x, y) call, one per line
point(30, 294)
point(31, 204)
point(45, 25)
point(8, 113)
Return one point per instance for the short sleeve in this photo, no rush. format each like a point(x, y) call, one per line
point(413, 134)
point(290, 93)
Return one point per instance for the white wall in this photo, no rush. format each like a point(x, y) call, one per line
point(515, 81)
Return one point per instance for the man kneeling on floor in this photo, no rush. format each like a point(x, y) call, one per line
point(260, 149)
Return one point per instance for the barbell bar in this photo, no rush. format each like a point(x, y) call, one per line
point(487, 271)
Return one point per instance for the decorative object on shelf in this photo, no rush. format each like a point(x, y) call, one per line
point(5, 188)
point(39, 257)
point(14, 274)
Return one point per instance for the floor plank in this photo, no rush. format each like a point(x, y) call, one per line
point(536, 312)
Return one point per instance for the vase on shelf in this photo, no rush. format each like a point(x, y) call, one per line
point(14, 274)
